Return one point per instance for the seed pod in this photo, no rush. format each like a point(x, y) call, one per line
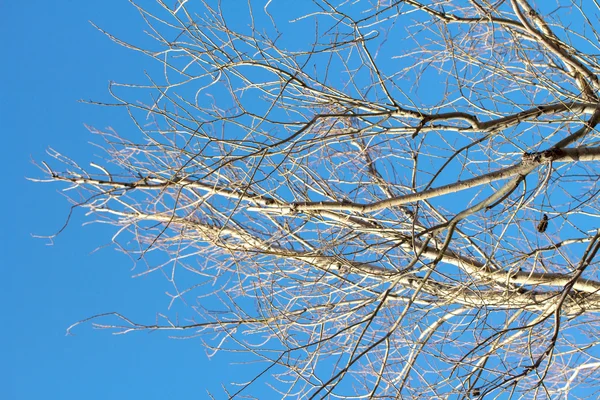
point(541, 228)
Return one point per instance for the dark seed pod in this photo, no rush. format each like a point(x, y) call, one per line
point(541, 228)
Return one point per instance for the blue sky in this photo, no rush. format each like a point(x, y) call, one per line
point(53, 58)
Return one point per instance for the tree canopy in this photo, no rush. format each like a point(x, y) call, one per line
point(375, 199)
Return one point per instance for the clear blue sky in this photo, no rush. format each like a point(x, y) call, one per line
point(53, 57)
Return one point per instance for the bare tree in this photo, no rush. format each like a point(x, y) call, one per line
point(383, 198)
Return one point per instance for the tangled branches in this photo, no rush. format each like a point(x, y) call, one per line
point(359, 187)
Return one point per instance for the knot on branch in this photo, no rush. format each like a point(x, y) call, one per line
point(542, 157)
